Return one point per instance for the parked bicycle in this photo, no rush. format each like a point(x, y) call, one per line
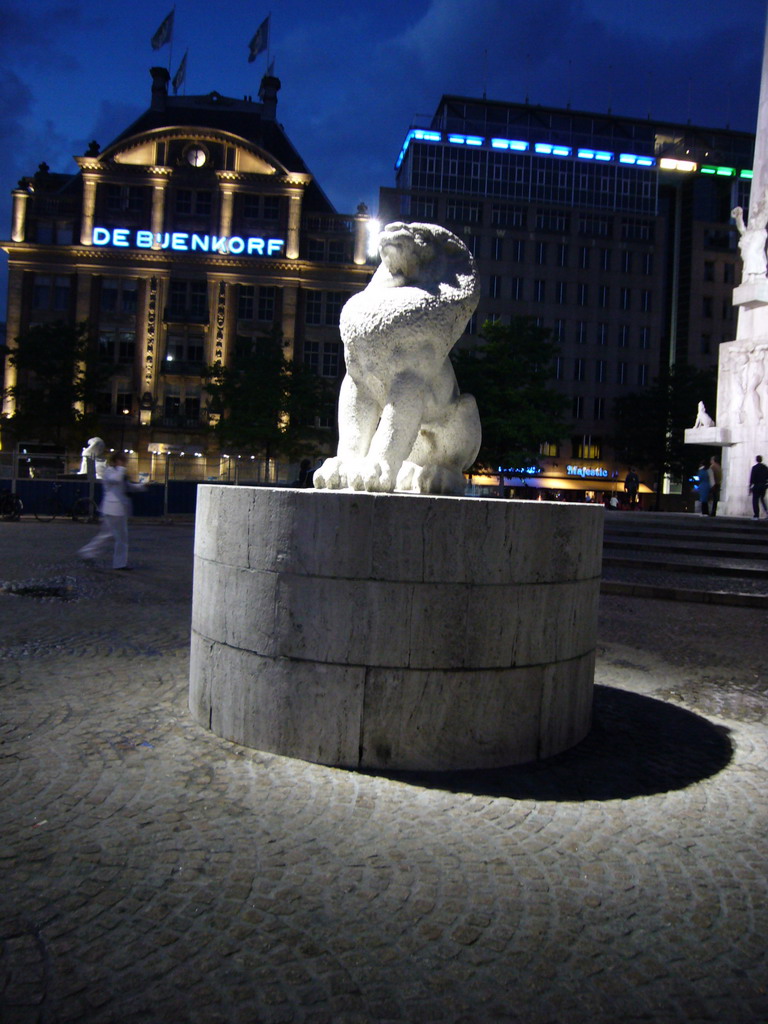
point(11, 506)
point(83, 510)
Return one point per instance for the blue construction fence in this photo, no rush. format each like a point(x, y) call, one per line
point(38, 496)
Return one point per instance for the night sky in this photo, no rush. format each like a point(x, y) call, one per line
point(354, 76)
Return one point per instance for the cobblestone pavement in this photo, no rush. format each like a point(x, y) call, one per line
point(152, 872)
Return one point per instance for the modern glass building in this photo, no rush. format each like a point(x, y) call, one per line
point(613, 232)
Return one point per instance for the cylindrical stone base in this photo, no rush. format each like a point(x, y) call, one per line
point(394, 631)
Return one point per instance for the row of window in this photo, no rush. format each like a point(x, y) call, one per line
point(563, 292)
point(462, 211)
point(187, 202)
point(727, 309)
point(561, 254)
point(727, 272)
point(601, 373)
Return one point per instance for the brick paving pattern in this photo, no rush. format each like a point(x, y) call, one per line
point(152, 872)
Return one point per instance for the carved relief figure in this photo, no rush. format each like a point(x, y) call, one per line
point(752, 239)
point(402, 423)
point(703, 419)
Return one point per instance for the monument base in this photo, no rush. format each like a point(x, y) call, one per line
point(394, 631)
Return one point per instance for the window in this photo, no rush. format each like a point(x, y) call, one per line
point(245, 299)
point(645, 300)
point(266, 307)
point(518, 250)
point(562, 254)
point(602, 334)
point(622, 371)
point(549, 450)
point(541, 253)
point(188, 300)
point(497, 248)
point(581, 332)
point(118, 295)
point(559, 331)
point(507, 216)
point(642, 375)
point(193, 203)
point(517, 289)
point(706, 344)
point(471, 327)
point(728, 273)
point(561, 292)
point(271, 208)
point(624, 336)
point(539, 290)
point(494, 286)
point(605, 259)
point(583, 294)
point(464, 212)
point(603, 295)
point(626, 262)
point(579, 369)
point(124, 403)
point(625, 298)
point(337, 250)
point(584, 257)
point(184, 352)
point(312, 356)
point(586, 447)
point(647, 263)
point(472, 242)
point(558, 367)
point(323, 358)
point(706, 307)
point(577, 407)
point(601, 371)
point(331, 359)
point(709, 270)
point(125, 199)
point(599, 409)
point(51, 292)
point(645, 337)
point(323, 308)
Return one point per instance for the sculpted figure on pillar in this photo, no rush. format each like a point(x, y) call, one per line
point(402, 423)
point(753, 238)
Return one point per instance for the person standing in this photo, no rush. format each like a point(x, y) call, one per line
point(632, 486)
point(115, 508)
point(758, 483)
point(716, 479)
point(704, 487)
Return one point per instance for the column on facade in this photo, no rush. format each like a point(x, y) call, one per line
point(288, 324)
point(89, 208)
point(227, 208)
point(20, 197)
point(294, 224)
point(158, 209)
point(362, 220)
point(13, 329)
point(83, 284)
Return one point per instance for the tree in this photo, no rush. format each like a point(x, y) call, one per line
point(266, 402)
point(58, 378)
point(510, 375)
point(650, 424)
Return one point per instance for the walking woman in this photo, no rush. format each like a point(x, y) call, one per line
point(115, 509)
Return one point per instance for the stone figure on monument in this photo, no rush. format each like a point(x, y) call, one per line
point(93, 450)
point(403, 426)
point(703, 419)
point(752, 239)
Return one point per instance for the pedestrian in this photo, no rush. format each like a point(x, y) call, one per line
point(632, 486)
point(115, 508)
point(717, 479)
point(758, 483)
point(704, 487)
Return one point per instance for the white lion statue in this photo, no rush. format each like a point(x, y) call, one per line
point(403, 426)
point(93, 450)
point(703, 419)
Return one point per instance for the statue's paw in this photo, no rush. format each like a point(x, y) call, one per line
point(434, 480)
point(372, 475)
point(330, 475)
point(405, 478)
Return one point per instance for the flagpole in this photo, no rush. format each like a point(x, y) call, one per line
point(170, 47)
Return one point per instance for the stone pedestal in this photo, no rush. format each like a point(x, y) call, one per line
point(394, 631)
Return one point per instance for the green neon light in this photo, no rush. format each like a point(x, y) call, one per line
point(708, 170)
point(726, 172)
point(746, 174)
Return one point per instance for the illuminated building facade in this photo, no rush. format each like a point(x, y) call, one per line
point(614, 233)
point(198, 229)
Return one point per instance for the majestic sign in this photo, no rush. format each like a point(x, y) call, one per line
point(183, 241)
point(587, 471)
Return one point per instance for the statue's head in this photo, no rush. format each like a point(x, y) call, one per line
point(406, 249)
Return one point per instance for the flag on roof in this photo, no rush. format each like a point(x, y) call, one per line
point(178, 79)
point(260, 41)
point(164, 33)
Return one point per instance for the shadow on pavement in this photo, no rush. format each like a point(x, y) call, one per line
point(638, 746)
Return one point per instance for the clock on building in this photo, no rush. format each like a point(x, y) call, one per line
point(196, 156)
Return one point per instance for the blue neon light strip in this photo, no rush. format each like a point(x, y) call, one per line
point(550, 149)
